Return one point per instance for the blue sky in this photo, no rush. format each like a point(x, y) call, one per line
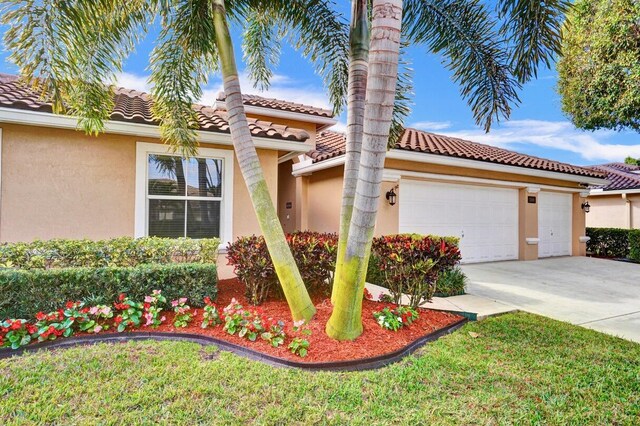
point(536, 127)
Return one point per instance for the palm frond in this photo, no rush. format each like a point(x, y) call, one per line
point(314, 28)
point(36, 39)
point(261, 46)
point(533, 29)
point(180, 65)
point(101, 34)
point(466, 35)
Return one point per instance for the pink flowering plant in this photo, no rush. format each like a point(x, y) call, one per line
point(247, 324)
point(183, 312)
point(15, 333)
point(130, 313)
point(274, 333)
point(211, 315)
point(299, 345)
point(395, 318)
point(153, 310)
point(97, 319)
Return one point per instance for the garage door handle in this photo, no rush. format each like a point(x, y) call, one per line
point(462, 234)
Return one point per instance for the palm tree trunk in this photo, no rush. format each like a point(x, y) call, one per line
point(292, 285)
point(358, 56)
point(346, 319)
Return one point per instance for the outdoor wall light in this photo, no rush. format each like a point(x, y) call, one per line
point(391, 196)
point(586, 207)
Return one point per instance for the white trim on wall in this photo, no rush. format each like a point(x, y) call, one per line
point(598, 192)
point(46, 119)
point(226, 219)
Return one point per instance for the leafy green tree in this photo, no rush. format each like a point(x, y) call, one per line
point(492, 49)
point(632, 161)
point(599, 68)
point(71, 51)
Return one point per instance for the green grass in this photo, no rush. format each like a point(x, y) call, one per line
point(522, 369)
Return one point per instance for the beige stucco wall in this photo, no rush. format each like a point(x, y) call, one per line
point(64, 184)
point(527, 224)
point(324, 196)
point(608, 211)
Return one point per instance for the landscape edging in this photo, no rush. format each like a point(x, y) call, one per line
point(346, 365)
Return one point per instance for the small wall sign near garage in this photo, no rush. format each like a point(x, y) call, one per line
point(531, 199)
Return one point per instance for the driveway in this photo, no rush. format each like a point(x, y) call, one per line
point(600, 294)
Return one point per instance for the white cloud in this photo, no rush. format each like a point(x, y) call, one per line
point(561, 135)
point(133, 81)
point(431, 125)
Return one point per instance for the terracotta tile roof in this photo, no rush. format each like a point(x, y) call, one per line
point(132, 106)
point(331, 144)
point(620, 176)
point(277, 104)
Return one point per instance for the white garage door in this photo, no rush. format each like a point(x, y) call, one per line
point(554, 224)
point(485, 218)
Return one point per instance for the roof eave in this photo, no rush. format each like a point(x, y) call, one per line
point(46, 119)
point(421, 157)
point(318, 120)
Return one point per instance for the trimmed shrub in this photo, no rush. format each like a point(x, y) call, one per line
point(124, 251)
point(411, 264)
point(25, 292)
point(314, 253)
point(451, 283)
point(634, 245)
point(608, 242)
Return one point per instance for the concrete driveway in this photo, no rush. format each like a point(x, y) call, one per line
point(594, 293)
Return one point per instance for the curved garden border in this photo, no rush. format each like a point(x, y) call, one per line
point(347, 365)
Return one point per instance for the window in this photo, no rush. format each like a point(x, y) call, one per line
point(179, 197)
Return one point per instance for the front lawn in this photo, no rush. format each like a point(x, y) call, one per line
point(520, 369)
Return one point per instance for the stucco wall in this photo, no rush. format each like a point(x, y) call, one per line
point(63, 184)
point(608, 212)
point(287, 197)
point(324, 198)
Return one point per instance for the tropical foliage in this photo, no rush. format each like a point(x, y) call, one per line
point(492, 48)
point(599, 68)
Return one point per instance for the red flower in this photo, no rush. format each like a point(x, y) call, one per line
point(16, 325)
point(207, 300)
point(118, 320)
point(147, 305)
point(70, 305)
point(31, 329)
point(40, 316)
point(121, 297)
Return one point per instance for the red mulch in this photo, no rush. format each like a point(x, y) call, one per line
point(374, 340)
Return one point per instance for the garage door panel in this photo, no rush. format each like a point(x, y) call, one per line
point(554, 224)
point(485, 218)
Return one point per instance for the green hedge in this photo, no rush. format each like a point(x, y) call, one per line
point(25, 292)
point(124, 251)
point(634, 245)
point(608, 242)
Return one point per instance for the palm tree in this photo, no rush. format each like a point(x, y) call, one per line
point(68, 50)
point(491, 56)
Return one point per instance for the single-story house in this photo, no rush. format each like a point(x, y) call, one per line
point(57, 182)
point(617, 203)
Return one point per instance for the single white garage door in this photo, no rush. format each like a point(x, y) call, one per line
point(554, 224)
point(485, 218)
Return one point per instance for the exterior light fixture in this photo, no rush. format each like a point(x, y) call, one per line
point(391, 196)
point(586, 207)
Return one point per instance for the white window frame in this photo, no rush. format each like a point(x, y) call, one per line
point(143, 149)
